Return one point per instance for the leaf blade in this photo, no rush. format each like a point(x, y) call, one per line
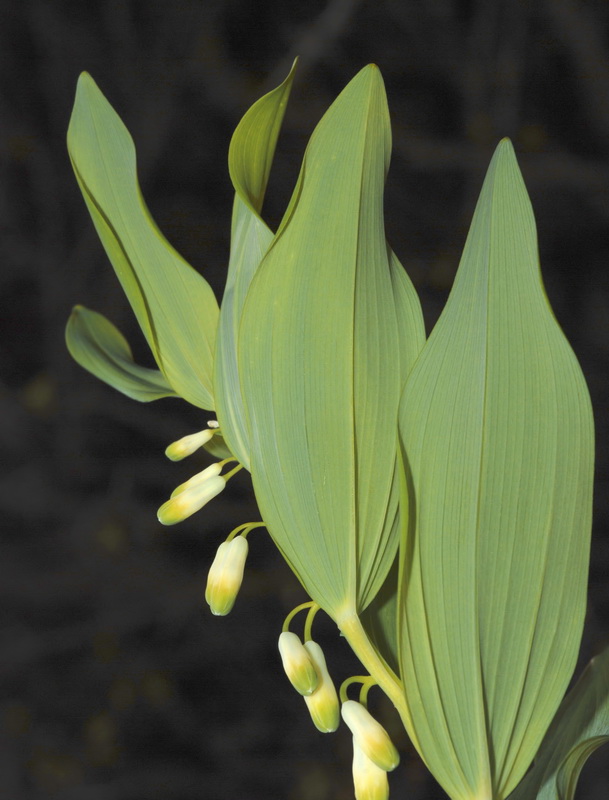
point(100, 348)
point(318, 352)
point(174, 305)
point(580, 727)
point(497, 430)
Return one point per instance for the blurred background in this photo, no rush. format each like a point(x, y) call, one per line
point(116, 683)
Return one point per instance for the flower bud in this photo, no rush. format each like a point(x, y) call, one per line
point(297, 663)
point(190, 500)
point(323, 702)
point(225, 575)
point(370, 735)
point(188, 444)
point(200, 477)
point(369, 781)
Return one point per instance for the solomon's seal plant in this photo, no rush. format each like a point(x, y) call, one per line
point(433, 497)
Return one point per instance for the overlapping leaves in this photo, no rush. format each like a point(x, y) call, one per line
point(580, 727)
point(174, 305)
point(320, 360)
point(250, 158)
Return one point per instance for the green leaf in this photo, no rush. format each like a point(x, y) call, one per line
point(100, 348)
point(217, 447)
point(249, 158)
point(318, 351)
point(580, 727)
point(497, 433)
point(379, 620)
point(174, 305)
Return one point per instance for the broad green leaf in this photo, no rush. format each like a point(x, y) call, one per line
point(580, 727)
point(321, 361)
point(497, 433)
point(174, 305)
point(98, 346)
point(250, 157)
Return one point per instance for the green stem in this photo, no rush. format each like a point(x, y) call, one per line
point(352, 629)
point(286, 623)
point(244, 529)
point(366, 682)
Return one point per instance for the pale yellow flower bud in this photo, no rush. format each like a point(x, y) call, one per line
point(190, 500)
point(370, 735)
point(369, 781)
point(200, 477)
point(225, 575)
point(323, 702)
point(297, 663)
point(188, 444)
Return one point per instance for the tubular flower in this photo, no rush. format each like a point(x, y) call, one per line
point(225, 575)
point(369, 781)
point(192, 496)
point(323, 702)
point(297, 664)
point(370, 735)
point(188, 444)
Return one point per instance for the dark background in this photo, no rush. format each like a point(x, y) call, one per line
point(116, 683)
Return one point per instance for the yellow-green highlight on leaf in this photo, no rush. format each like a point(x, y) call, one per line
point(99, 347)
point(250, 157)
point(174, 305)
point(497, 434)
point(580, 727)
point(322, 363)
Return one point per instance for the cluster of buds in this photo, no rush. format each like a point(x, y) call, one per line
point(226, 572)
point(190, 496)
point(374, 755)
point(305, 666)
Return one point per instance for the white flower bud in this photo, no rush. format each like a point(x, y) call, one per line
point(370, 735)
point(225, 575)
point(188, 444)
point(323, 702)
point(297, 663)
point(190, 500)
point(369, 781)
